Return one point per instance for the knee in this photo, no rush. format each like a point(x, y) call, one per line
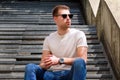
point(49, 76)
point(29, 67)
point(79, 63)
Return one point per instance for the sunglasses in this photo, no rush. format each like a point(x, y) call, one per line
point(65, 15)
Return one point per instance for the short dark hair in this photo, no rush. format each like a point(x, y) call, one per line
point(56, 9)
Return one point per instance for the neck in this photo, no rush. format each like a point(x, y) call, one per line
point(63, 31)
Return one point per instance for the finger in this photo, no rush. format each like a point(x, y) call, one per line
point(48, 65)
point(48, 62)
point(49, 56)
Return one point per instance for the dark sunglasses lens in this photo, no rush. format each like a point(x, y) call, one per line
point(70, 16)
point(64, 16)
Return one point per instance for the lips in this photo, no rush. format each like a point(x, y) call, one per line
point(68, 23)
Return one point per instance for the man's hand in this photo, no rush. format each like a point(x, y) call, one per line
point(48, 61)
point(55, 60)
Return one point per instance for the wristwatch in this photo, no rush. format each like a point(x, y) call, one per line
point(61, 61)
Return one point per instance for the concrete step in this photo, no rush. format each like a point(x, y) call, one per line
point(37, 22)
point(38, 19)
point(14, 43)
point(37, 57)
point(35, 16)
point(21, 75)
point(89, 37)
point(37, 8)
point(90, 62)
point(36, 51)
point(40, 30)
point(36, 46)
point(37, 4)
point(21, 68)
point(43, 28)
point(25, 30)
point(16, 9)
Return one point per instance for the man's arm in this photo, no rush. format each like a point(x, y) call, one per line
point(48, 59)
point(81, 49)
point(45, 60)
point(81, 53)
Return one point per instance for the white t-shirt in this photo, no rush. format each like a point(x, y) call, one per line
point(65, 45)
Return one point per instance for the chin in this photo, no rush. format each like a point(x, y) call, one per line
point(68, 26)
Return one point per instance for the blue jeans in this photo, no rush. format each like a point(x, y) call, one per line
point(77, 72)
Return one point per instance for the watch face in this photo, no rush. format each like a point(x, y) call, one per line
point(61, 61)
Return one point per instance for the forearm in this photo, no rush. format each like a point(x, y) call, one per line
point(69, 61)
point(81, 53)
point(45, 60)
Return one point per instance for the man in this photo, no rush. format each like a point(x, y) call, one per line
point(64, 52)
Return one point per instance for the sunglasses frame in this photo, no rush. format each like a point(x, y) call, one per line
point(64, 16)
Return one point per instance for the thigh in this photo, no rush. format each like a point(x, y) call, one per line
point(78, 70)
point(66, 75)
point(57, 75)
point(33, 72)
point(62, 75)
point(39, 72)
point(49, 75)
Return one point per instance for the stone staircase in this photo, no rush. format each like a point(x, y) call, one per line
point(23, 27)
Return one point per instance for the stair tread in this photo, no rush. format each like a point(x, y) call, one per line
point(34, 37)
point(37, 51)
point(37, 62)
point(43, 26)
point(12, 68)
point(17, 76)
point(14, 43)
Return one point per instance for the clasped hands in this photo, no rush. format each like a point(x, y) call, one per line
point(49, 61)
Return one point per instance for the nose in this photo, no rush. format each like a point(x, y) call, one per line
point(68, 17)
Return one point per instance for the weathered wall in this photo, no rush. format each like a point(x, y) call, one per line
point(105, 15)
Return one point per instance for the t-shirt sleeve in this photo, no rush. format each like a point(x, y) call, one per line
point(46, 44)
point(81, 39)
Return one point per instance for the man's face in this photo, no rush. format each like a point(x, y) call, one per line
point(62, 19)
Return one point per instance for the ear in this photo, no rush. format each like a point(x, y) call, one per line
point(55, 18)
